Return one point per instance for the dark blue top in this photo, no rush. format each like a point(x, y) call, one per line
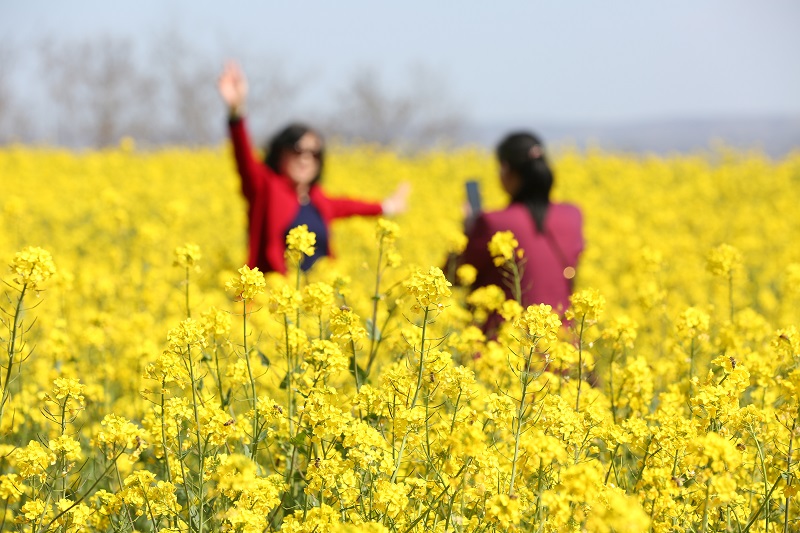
point(309, 215)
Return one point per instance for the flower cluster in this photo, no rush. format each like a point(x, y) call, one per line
point(539, 322)
point(724, 260)
point(188, 256)
point(300, 242)
point(430, 289)
point(586, 305)
point(503, 247)
point(32, 267)
point(248, 285)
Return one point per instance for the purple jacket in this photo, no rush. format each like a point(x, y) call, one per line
point(546, 254)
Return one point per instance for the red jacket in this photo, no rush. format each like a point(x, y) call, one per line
point(273, 205)
point(546, 255)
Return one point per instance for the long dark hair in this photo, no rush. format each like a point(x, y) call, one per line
point(287, 139)
point(523, 152)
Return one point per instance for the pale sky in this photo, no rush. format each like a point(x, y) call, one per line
point(552, 61)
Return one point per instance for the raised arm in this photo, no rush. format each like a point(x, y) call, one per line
point(232, 86)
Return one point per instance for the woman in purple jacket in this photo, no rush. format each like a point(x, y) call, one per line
point(550, 234)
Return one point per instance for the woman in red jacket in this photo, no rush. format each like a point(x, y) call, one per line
point(283, 192)
point(550, 234)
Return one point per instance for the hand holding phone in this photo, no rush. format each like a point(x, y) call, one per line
point(473, 197)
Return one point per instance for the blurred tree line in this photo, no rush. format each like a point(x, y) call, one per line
point(95, 91)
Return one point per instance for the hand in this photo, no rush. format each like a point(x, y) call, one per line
point(466, 210)
point(232, 86)
point(469, 217)
point(397, 202)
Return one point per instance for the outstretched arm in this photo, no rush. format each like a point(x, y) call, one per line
point(394, 204)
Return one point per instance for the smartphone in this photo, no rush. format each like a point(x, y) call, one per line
point(474, 197)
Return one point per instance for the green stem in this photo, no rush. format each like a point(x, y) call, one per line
point(788, 470)
point(517, 282)
point(539, 476)
point(164, 433)
point(611, 464)
point(62, 455)
point(375, 299)
point(188, 309)
point(705, 507)
point(611, 389)
point(355, 366)
point(520, 415)
point(374, 356)
point(125, 505)
point(289, 372)
point(290, 407)
point(760, 507)
point(200, 452)
point(253, 398)
point(148, 506)
point(691, 368)
point(297, 288)
point(767, 493)
point(5, 514)
point(730, 293)
point(421, 360)
point(222, 400)
point(644, 464)
point(85, 494)
point(435, 500)
point(12, 348)
point(399, 458)
point(580, 364)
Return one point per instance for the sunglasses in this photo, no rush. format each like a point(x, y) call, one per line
point(298, 151)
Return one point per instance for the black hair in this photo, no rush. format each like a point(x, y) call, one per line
point(287, 139)
point(524, 154)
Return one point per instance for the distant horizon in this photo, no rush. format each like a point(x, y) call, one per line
point(655, 118)
point(615, 61)
point(670, 136)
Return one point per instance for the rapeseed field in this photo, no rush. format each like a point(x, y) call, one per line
point(151, 382)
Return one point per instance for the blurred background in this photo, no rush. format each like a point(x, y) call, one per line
point(619, 75)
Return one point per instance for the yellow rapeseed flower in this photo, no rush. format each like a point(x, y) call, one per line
point(32, 267)
point(300, 242)
point(724, 260)
point(429, 288)
point(248, 285)
point(538, 322)
point(586, 305)
point(466, 274)
point(692, 323)
point(33, 460)
point(346, 325)
point(386, 231)
point(187, 256)
point(502, 247)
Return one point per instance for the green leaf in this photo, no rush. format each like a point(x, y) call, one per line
point(354, 368)
point(263, 358)
point(226, 398)
point(299, 439)
point(373, 334)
